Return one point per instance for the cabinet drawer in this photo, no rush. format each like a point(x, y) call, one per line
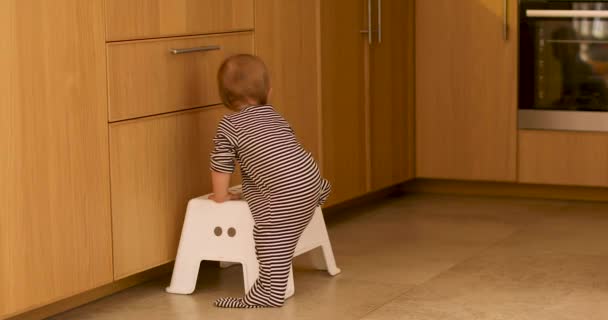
point(564, 158)
point(157, 165)
point(144, 19)
point(146, 78)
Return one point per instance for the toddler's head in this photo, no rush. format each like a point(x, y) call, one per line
point(243, 81)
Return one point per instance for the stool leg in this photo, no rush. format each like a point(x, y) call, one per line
point(328, 252)
point(251, 271)
point(291, 288)
point(330, 260)
point(185, 273)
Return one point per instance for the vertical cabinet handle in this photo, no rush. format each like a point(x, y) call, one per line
point(505, 23)
point(369, 23)
point(380, 21)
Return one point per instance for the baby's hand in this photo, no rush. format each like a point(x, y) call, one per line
point(227, 197)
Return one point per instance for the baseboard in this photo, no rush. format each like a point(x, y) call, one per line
point(94, 294)
point(333, 211)
point(504, 189)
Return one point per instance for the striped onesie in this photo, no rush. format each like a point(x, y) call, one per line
point(281, 184)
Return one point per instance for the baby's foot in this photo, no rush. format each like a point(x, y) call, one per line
point(232, 303)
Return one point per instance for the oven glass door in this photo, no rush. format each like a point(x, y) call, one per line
point(564, 56)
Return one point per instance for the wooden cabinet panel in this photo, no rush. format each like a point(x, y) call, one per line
point(343, 110)
point(392, 96)
point(55, 225)
point(287, 39)
point(142, 19)
point(157, 165)
point(564, 158)
point(145, 78)
point(466, 99)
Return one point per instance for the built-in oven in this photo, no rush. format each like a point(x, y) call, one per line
point(563, 61)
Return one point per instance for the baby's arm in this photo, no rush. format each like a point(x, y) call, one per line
point(221, 182)
point(222, 161)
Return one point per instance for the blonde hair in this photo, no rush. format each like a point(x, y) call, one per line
point(243, 78)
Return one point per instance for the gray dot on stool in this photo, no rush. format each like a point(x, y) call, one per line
point(231, 232)
point(217, 231)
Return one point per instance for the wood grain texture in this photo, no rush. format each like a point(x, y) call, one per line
point(146, 79)
point(563, 158)
point(286, 38)
point(343, 108)
point(466, 98)
point(97, 293)
point(392, 120)
point(55, 229)
point(143, 19)
point(157, 165)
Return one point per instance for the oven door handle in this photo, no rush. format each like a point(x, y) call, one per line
point(567, 13)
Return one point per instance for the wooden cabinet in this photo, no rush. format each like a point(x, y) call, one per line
point(287, 40)
point(350, 102)
point(367, 96)
point(146, 78)
point(144, 19)
point(157, 165)
point(466, 98)
point(563, 158)
point(391, 113)
point(55, 224)
point(344, 94)
point(160, 137)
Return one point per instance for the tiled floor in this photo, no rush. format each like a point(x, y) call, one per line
point(422, 257)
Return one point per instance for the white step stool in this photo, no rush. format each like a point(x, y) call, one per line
point(224, 232)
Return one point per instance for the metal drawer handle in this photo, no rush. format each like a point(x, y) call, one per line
point(567, 13)
point(195, 49)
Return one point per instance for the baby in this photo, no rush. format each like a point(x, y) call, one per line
point(281, 181)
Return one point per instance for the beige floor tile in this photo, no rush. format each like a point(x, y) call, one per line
point(507, 210)
point(587, 208)
point(410, 248)
point(318, 296)
point(582, 304)
point(433, 311)
point(390, 229)
point(567, 233)
point(502, 288)
point(556, 273)
point(421, 257)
